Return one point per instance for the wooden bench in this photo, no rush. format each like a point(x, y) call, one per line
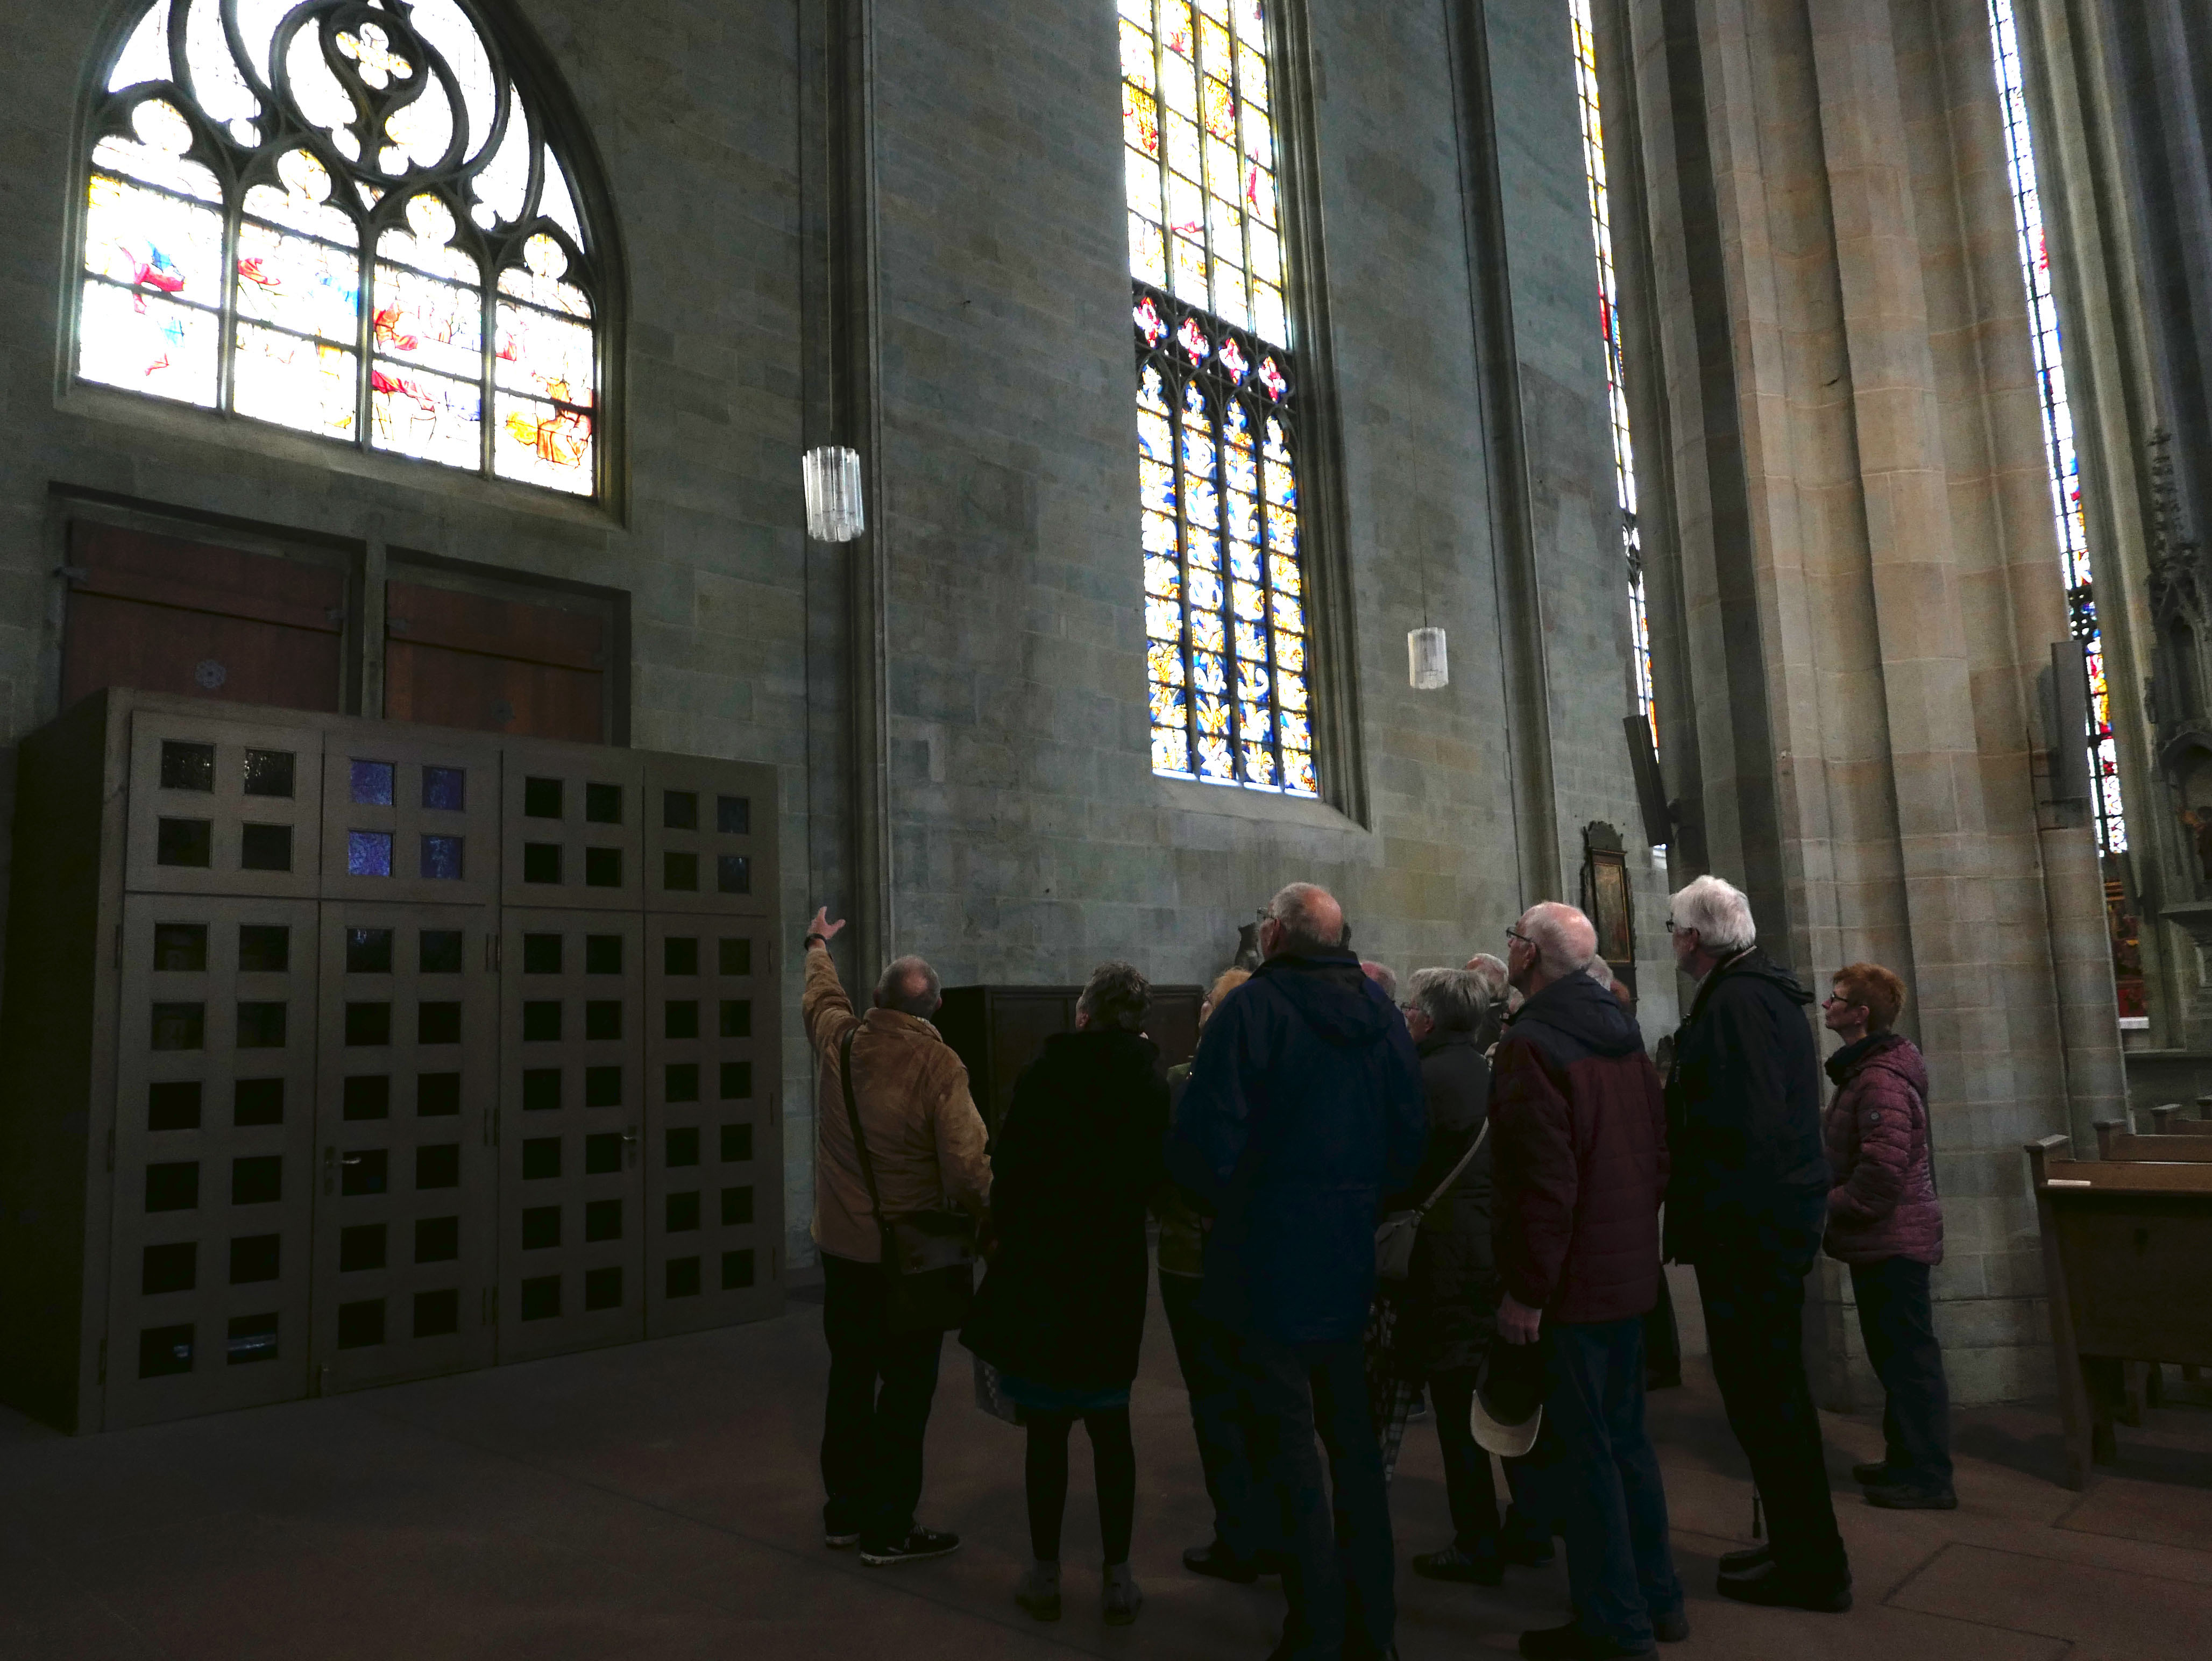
point(2115, 1142)
point(2127, 1257)
point(2172, 1120)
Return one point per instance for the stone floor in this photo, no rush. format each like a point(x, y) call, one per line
point(659, 1501)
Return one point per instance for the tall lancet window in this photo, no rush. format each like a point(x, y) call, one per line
point(2058, 427)
point(1608, 314)
point(343, 217)
point(1216, 434)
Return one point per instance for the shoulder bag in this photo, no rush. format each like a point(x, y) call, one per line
point(1395, 1234)
point(929, 1256)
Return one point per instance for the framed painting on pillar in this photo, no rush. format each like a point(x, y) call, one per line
point(1608, 900)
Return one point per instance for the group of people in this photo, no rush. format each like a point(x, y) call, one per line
point(1506, 1121)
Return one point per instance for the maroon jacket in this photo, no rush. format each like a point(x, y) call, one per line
point(1578, 1145)
point(1883, 1203)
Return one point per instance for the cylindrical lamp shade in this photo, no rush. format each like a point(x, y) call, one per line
point(1424, 659)
point(834, 511)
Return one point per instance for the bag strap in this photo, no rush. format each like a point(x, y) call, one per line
point(1465, 1159)
point(853, 1114)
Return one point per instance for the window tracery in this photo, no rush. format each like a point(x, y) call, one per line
point(1217, 438)
point(343, 217)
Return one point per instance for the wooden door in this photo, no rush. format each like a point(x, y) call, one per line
point(571, 1116)
point(454, 659)
point(406, 1179)
point(214, 1124)
point(713, 1191)
point(164, 614)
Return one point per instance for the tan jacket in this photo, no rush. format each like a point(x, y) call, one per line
point(925, 1136)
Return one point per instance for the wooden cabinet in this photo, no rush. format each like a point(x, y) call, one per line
point(999, 1030)
point(341, 1052)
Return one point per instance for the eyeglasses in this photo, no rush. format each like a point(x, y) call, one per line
point(1673, 927)
point(1838, 997)
point(1514, 933)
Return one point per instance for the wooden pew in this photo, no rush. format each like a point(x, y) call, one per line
point(2115, 1142)
point(2170, 1120)
point(2127, 1257)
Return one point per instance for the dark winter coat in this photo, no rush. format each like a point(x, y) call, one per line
point(1883, 1203)
point(1578, 1132)
point(1743, 1119)
point(1077, 1159)
point(1304, 1108)
point(1448, 1306)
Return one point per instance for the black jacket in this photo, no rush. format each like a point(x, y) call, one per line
point(1743, 1113)
point(1078, 1158)
point(1304, 1110)
point(1448, 1307)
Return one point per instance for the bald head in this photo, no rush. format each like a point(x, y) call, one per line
point(910, 986)
point(1303, 919)
point(1563, 937)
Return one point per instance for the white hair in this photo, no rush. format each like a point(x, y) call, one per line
point(1600, 970)
point(1491, 972)
point(1719, 912)
point(1564, 939)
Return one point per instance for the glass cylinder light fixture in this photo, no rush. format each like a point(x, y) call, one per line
point(1424, 659)
point(833, 510)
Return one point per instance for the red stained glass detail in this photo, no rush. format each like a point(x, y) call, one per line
point(1194, 341)
point(1233, 359)
point(1149, 323)
point(1272, 378)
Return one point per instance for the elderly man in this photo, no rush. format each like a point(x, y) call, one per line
point(1579, 1167)
point(1749, 1202)
point(924, 1140)
point(1304, 1106)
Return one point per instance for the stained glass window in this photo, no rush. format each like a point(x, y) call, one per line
point(1608, 316)
point(2065, 465)
point(343, 216)
point(1217, 431)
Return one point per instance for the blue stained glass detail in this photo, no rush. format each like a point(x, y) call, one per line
point(1240, 517)
point(1209, 673)
point(1205, 590)
point(371, 782)
point(1198, 452)
point(1251, 643)
point(1155, 485)
point(368, 853)
point(1248, 605)
point(441, 858)
point(1206, 631)
point(1243, 473)
point(1153, 441)
point(1244, 562)
point(1205, 549)
point(1203, 509)
point(1163, 619)
point(445, 789)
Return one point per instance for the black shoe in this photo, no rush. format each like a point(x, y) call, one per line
point(1770, 1587)
point(837, 1542)
point(919, 1546)
point(1873, 1473)
point(1571, 1643)
point(1673, 1628)
point(1744, 1562)
point(1899, 1496)
point(1220, 1563)
point(1474, 1568)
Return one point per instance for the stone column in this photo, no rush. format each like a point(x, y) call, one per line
point(1870, 582)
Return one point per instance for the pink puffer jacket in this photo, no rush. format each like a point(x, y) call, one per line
point(1883, 1203)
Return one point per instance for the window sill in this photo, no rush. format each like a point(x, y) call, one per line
point(1235, 802)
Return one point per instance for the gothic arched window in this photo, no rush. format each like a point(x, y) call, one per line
point(343, 217)
point(1217, 437)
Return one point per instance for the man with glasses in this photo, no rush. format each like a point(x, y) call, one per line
point(1747, 1205)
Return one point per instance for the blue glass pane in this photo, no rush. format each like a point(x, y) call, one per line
point(446, 788)
point(372, 783)
point(368, 853)
point(441, 858)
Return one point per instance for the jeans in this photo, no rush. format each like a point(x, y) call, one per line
point(1339, 1556)
point(1898, 1324)
point(872, 1440)
point(1206, 1350)
point(1601, 1478)
point(1754, 1304)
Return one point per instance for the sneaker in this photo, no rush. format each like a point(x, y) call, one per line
point(1873, 1473)
point(1571, 1643)
point(1038, 1593)
point(919, 1545)
point(837, 1531)
point(1672, 1628)
point(1769, 1587)
point(1483, 1569)
point(1897, 1496)
point(1220, 1563)
point(839, 1541)
point(1124, 1597)
point(1744, 1562)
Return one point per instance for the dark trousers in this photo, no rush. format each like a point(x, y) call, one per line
point(1468, 1485)
point(1603, 1481)
point(1206, 1350)
point(880, 1391)
point(1899, 1326)
point(1755, 1304)
point(1663, 1341)
point(1337, 1573)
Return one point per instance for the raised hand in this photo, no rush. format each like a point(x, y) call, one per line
point(821, 925)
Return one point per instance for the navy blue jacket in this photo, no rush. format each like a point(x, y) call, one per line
point(1304, 1107)
point(1743, 1120)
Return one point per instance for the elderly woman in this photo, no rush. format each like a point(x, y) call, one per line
point(1061, 1310)
point(1885, 1221)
